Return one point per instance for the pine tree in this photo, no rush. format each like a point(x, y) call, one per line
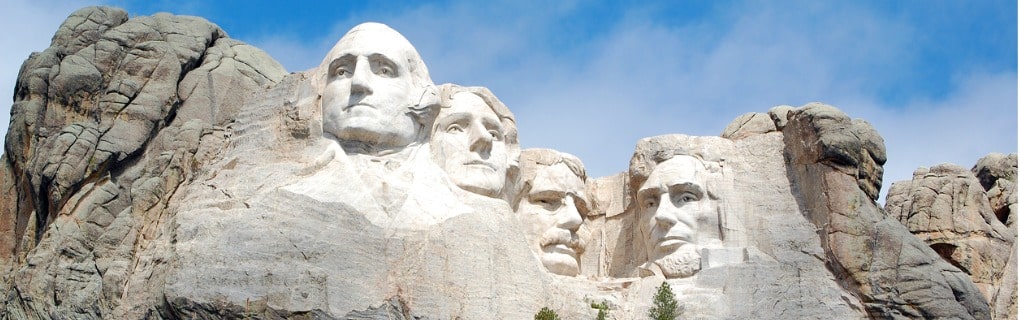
point(603, 309)
point(547, 314)
point(664, 306)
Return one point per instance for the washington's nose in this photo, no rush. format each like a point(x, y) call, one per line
point(361, 80)
point(664, 215)
point(481, 140)
point(568, 216)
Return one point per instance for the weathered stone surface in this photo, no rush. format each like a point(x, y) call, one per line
point(158, 169)
point(753, 123)
point(101, 138)
point(895, 274)
point(748, 124)
point(997, 173)
point(780, 115)
point(950, 209)
point(780, 243)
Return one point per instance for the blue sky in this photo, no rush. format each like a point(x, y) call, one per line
point(938, 79)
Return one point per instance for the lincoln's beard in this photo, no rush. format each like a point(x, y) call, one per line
point(684, 262)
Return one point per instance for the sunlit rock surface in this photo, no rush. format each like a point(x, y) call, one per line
point(156, 168)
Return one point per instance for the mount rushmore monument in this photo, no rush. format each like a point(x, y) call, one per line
point(157, 169)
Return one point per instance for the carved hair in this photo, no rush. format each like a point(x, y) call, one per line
point(506, 119)
point(533, 159)
point(655, 150)
point(415, 65)
point(650, 152)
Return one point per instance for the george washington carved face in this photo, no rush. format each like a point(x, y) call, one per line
point(373, 81)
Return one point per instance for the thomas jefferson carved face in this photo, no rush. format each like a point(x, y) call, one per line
point(469, 144)
point(373, 77)
point(551, 212)
point(673, 202)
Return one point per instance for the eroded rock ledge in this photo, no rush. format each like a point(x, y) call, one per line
point(156, 168)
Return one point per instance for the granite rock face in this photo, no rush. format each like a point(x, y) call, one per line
point(950, 209)
point(833, 162)
point(997, 174)
point(157, 169)
point(107, 124)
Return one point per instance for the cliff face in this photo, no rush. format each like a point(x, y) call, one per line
point(156, 168)
point(107, 124)
point(968, 218)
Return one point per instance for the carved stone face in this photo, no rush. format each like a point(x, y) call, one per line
point(369, 88)
point(672, 202)
point(551, 213)
point(468, 143)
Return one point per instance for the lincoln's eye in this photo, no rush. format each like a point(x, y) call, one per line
point(650, 202)
point(685, 198)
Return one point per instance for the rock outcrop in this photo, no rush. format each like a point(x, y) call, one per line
point(951, 209)
point(835, 163)
point(157, 169)
point(107, 124)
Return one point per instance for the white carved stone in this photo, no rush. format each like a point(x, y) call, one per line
point(376, 92)
point(551, 204)
point(475, 140)
point(360, 190)
point(677, 213)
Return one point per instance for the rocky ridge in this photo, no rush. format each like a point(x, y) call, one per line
point(149, 173)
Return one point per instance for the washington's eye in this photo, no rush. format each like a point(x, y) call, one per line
point(342, 72)
point(386, 71)
point(454, 128)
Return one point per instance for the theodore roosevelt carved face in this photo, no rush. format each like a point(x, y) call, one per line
point(551, 205)
point(373, 82)
point(672, 205)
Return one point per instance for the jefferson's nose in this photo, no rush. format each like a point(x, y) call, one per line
point(481, 140)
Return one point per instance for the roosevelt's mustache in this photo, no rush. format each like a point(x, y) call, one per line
point(556, 236)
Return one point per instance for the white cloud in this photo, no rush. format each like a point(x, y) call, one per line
point(979, 117)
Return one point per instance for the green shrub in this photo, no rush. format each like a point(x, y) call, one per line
point(546, 314)
point(664, 306)
point(603, 308)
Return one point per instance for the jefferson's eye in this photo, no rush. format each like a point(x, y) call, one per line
point(495, 135)
point(454, 128)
